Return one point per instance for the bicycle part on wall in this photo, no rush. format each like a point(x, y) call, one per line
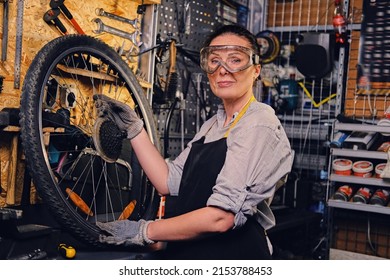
point(269, 46)
point(78, 184)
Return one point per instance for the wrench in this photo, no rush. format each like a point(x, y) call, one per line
point(101, 12)
point(115, 31)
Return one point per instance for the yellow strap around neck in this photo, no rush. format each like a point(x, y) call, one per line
point(242, 112)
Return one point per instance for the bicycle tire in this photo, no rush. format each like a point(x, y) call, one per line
point(57, 121)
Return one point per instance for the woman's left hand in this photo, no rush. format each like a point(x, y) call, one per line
point(126, 232)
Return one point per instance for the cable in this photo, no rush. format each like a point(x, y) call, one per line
point(374, 250)
point(167, 127)
point(315, 104)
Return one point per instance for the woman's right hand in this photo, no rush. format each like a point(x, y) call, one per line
point(124, 117)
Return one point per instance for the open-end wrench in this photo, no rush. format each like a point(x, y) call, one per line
point(115, 31)
point(101, 12)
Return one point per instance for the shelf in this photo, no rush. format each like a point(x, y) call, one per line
point(359, 206)
point(359, 153)
point(301, 28)
point(362, 127)
point(306, 131)
point(360, 180)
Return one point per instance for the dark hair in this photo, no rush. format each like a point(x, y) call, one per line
point(235, 30)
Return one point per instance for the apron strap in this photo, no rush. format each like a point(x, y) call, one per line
point(239, 116)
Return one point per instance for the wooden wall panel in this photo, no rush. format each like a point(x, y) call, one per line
point(36, 33)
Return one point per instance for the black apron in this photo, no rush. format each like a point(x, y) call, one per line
point(200, 172)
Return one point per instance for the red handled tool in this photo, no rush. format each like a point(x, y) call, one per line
point(59, 4)
point(51, 17)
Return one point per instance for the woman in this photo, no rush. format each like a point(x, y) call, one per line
point(227, 173)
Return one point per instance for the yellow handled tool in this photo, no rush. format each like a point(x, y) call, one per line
point(67, 252)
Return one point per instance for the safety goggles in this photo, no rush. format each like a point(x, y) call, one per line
point(235, 58)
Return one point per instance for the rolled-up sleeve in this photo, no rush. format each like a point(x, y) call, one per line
point(257, 157)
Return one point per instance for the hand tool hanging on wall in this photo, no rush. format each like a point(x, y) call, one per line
point(54, 4)
point(51, 18)
point(18, 46)
point(171, 85)
point(101, 27)
point(187, 17)
point(101, 12)
point(166, 75)
point(4, 43)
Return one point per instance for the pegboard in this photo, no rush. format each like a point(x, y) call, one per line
point(188, 23)
point(375, 54)
point(368, 91)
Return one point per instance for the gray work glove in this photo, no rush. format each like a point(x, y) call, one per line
point(125, 232)
point(120, 113)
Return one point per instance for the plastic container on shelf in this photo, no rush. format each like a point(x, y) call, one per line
point(338, 139)
point(378, 169)
point(343, 193)
point(384, 147)
point(363, 195)
point(362, 168)
point(384, 122)
point(342, 166)
point(380, 197)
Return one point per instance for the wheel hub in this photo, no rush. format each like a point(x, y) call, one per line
point(107, 139)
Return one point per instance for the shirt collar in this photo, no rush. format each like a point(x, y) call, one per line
point(221, 115)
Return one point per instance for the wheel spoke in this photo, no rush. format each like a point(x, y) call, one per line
point(81, 185)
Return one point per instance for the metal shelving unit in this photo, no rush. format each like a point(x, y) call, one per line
point(350, 153)
point(373, 182)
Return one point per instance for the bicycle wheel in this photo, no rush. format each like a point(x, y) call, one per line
point(58, 121)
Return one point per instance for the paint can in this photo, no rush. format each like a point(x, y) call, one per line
point(362, 195)
point(380, 197)
point(379, 169)
point(362, 168)
point(342, 166)
point(343, 193)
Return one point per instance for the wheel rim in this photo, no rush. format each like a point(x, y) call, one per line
point(89, 187)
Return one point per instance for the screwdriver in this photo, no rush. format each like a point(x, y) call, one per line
point(67, 252)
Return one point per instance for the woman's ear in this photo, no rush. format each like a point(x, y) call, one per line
point(257, 71)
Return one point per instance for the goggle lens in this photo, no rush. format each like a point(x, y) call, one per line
point(235, 58)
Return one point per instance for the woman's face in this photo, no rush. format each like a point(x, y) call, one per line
point(232, 86)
